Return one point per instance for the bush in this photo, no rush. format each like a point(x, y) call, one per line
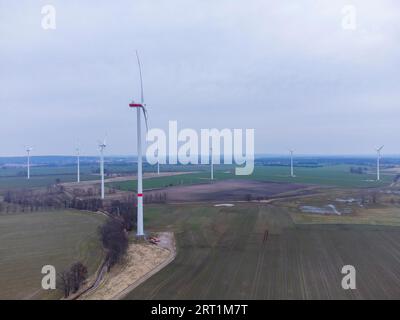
point(114, 240)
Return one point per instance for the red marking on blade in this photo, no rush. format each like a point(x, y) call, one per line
point(135, 105)
point(140, 194)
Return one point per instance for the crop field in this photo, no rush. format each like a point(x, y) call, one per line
point(110, 167)
point(39, 181)
point(338, 176)
point(30, 241)
point(154, 183)
point(225, 253)
point(44, 170)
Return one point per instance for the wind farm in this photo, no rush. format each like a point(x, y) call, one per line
point(281, 182)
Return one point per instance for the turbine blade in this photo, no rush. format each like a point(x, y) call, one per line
point(141, 79)
point(145, 118)
point(105, 138)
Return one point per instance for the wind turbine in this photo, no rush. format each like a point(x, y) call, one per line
point(378, 159)
point(140, 107)
point(291, 163)
point(212, 164)
point(78, 178)
point(102, 146)
point(28, 151)
point(158, 163)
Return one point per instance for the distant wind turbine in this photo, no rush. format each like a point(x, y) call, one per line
point(212, 164)
point(291, 163)
point(28, 151)
point(378, 159)
point(140, 107)
point(78, 173)
point(158, 163)
point(102, 146)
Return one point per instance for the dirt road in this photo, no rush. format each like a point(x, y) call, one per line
point(143, 260)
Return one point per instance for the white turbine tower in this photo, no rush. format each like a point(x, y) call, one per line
point(102, 146)
point(212, 164)
point(378, 159)
point(158, 162)
point(140, 107)
point(291, 163)
point(28, 152)
point(78, 164)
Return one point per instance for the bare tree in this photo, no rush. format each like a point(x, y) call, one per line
point(114, 240)
point(64, 282)
point(78, 273)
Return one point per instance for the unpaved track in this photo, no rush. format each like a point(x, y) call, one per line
point(168, 245)
point(143, 261)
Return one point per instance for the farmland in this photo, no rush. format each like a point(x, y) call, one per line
point(223, 254)
point(39, 181)
point(264, 247)
point(323, 173)
point(30, 241)
point(337, 175)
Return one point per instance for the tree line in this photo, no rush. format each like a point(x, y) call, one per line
point(57, 197)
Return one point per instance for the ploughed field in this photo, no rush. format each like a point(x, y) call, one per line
point(228, 190)
point(226, 253)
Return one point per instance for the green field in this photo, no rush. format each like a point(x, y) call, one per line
point(338, 176)
point(30, 241)
point(154, 183)
point(42, 176)
point(44, 170)
point(222, 255)
point(39, 181)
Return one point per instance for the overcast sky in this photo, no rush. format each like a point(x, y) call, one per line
point(285, 68)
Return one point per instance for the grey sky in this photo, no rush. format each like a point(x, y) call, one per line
point(285, 68)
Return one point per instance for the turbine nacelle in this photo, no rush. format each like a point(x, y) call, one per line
point(379, 149)
point(134, 104)
point(102, 145)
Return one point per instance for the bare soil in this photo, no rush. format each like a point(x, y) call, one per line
point(230, 190)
